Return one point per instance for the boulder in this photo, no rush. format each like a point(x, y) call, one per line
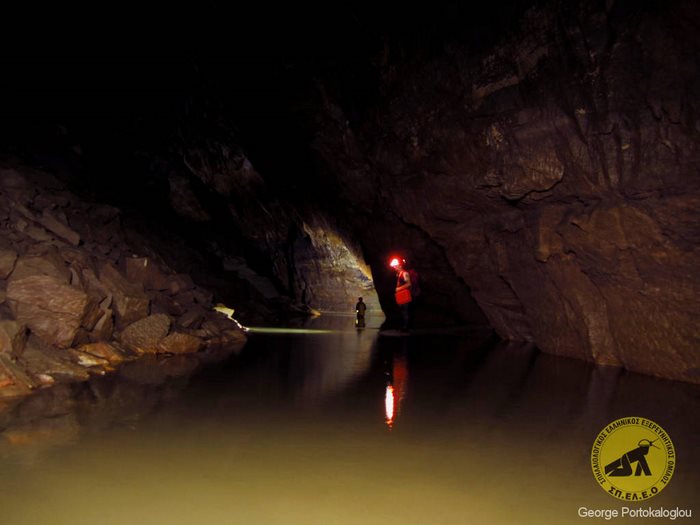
point(5, 379)
point(179, 283)
point(163, 303)
point(104, 351)
point(102, 331)
point(94, 286)
point(13, 337)
point(130, 302)
point(48, 263)
point(87, 360)
point(192, 318)
point(179, 343)
point(145, 334)
point(14, 379)
point(50, 308)
point(40, 358)
point(58, 227)
point(146, 272)
point(7, 262)
point(203, 297)
point(93, 313)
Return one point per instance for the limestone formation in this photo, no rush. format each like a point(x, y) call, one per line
point(145, 334)
point(179, 343)
point(51, 309)
point(62, 295)
point(554, 173)
point(130, 301)
point(13, 337)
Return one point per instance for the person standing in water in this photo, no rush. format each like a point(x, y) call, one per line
point(402, 292)
point(360, 309)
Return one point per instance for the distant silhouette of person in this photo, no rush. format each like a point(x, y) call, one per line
point(360, 309)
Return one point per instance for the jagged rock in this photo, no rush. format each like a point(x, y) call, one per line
point(179, 283)
point(179, 343)
point(77, 258)
point(93, 313)
point(94, 286)
point(14, 380)
point(7, 262)
point(51, 309)
point(185, 298)
point(145, 271)
point(104, 327)
point(40, 358)
point(203, 297)
point(130, 302)
point(192, 318)
point(105, 351)
point(163, 303)
point(86, 359)
point(13, 337)
point(48, 263)
point(145, 334)
point(50, 225)
point(5, 379)
point(57, 199)
point(219, 330)
point(49, 221)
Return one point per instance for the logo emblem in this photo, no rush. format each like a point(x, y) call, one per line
point(633, 458)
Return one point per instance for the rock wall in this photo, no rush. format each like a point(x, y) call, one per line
point(76, 300)
point(304, 259)
point(555, 175)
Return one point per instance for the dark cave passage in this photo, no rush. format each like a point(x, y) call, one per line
point(185, 231)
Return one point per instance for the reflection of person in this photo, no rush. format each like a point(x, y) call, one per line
point(360, 309)
point(403, 282)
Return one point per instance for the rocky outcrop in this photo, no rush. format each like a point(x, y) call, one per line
point(556, 175)
point(76, 300)
point(309, 263)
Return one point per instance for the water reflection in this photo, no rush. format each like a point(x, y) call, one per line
point(295, 430)
point(396, 387)
point(60, 415)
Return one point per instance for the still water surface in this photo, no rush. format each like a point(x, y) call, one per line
point(335, 426)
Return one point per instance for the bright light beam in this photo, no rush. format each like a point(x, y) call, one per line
point(268, 330)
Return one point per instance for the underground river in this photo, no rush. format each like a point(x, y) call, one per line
point(328, 425)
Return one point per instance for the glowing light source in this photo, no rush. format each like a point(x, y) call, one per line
point(389, 405)
point(394, 262)
point(228, 312)
point(270, 330)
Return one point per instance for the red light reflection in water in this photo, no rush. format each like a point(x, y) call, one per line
point(395, 390)
point(389, 405)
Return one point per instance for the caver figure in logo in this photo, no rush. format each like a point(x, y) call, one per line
point(623, 465)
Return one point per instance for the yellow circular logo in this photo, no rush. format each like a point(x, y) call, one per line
point(633, 458)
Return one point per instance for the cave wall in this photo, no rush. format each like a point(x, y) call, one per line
point(556, 173)
point(305, 260)
point(535, 160)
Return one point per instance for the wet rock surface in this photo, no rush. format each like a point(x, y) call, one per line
point(76, 301)
point(561, 168)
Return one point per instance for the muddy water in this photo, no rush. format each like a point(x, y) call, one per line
point(335, 426)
